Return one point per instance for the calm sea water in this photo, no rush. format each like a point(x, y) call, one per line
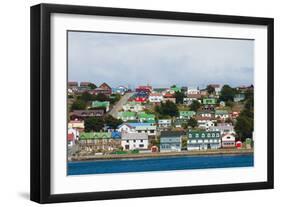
point(159, 164)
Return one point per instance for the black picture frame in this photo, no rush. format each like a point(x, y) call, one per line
point(41, 95)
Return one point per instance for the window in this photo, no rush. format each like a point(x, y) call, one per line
point(127, 141)
point(141, 145)
point(218, 135)
point(190, 135)
point(141, 140)
point(203, 135)
point(151, 131)
point(213, 135)
point(134, 140)
point(197, 135)
point(209, 135)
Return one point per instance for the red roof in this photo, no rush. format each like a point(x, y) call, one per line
point(168, 95)
point(194, 96)
point(105, 86)
point(70, 137)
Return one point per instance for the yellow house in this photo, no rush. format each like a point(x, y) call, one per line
point(76, 124)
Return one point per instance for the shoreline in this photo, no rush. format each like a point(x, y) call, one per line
point(162, 154)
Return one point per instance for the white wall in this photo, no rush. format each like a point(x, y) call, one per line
point(14, 48)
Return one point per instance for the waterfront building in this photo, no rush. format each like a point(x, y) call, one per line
point(203, 140)
point(99, 141)
point(132, 141)
point(228, 140)
point(171, 141)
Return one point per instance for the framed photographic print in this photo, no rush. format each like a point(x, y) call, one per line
point(132, 103)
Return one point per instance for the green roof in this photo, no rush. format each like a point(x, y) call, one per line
point(95, 135)
point(176, 89)
point(187, 113)
point(126, 114)
point(209, 101)
point(100, 104)
point(133, 103)
point(221, 112)
point(146, 116)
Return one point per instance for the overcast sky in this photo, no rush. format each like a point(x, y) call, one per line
point(161, 61)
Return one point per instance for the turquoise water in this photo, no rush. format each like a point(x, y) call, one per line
point(159, 164)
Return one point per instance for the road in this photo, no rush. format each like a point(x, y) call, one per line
point(118, 106)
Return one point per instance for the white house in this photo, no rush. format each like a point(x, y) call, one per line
point(193, 91)
point(228, 140)
point(207, 124)
point(223, 128)
point(125, 128)
point(221, 114)
point(131, 141)
point(133, 106)
point(146, 128)
point(164, 123)
point(155, 98)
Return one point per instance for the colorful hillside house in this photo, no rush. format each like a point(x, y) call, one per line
point(223, 128)
point(120, 90)
point(144, 117)
point(146, 89)
point(175, 89)
point(221, 114)
point(137, 127)
point(239, 97)
point(178, 123)
point(164, 123)
point(132, 141)
point(133, 106)
point(202, 140)
point(206, 125)
point(76, 124)
point(97, 141)
point(171, 141)
point(101, 104)
point(210, 101)
point(155, 98)
point(192, 91)
point(186, 114)
point(127, 115)
point(228, 140)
